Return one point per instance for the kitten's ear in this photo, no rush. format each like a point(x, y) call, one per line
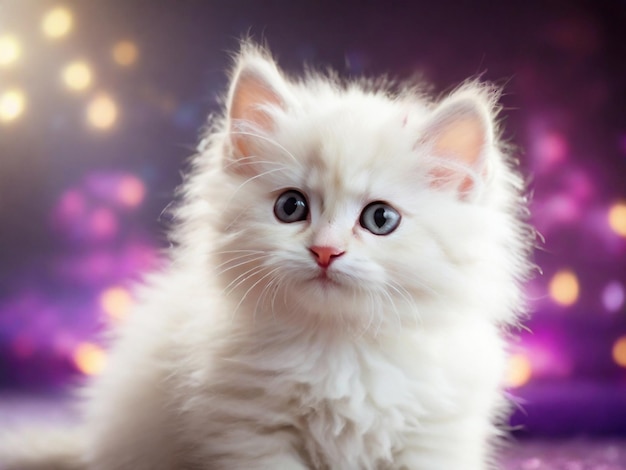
point(256, 94)
point(459, 138)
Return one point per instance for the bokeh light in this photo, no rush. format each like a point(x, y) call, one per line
point(10, 49)
point(116, 302)
point(550, 150)
point(102, 112)
point(90, 358)
point(77, 76)
point(125, 53)
point(613, 296)
point(564, 287)
point(617, 218)
point(103, 224)
point(57, 22)
point(619, 351)
point(131, 191)
point(519, 371)
point(12, 104)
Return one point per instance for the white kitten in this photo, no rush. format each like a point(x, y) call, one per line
point(347, 260)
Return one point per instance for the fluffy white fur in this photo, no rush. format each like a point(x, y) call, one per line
point(239, 357)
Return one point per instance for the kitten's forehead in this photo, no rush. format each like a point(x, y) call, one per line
point(353, 149)
point(334, 179)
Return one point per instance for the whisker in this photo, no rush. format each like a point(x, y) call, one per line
point(243, 298)
point(408, 298)
point(241, 256)
point(393, 305)
point(252, 178)
point(412, 302)
point(379, 314)
point(279, 281)
point(401, 291)
point(414, 280)
point(226, 252)
point(252, 260)
point(271, 286)
point(242, 212)
point(370, 311)
point(271, 141)
point(253, 160)
point(242, 278)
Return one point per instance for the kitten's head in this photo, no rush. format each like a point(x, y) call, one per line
point(347, 204)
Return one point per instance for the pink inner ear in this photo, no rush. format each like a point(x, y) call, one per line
point(462, 140)
point(461, 137)
point(441, 177)
point(251, 95)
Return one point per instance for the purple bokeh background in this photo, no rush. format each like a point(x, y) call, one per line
point(81, 208)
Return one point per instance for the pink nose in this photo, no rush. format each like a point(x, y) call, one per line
point(324, 255)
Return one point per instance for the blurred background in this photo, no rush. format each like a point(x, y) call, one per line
point(101, 104)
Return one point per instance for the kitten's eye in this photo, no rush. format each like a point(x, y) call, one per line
point(379, 218)
point(291, 207)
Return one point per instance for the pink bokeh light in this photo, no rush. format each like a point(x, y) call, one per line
point(579, 185)
point(130, 191)
point(555, 211)
point(104, 266)
point(71, 205)
point(549, 150)
point(121, 189)
point(103, 224)
point(547, 355)
point(613, 296)
point(94, 209)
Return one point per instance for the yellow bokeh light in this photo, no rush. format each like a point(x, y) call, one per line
point(519, 371)
point(12, 103)
point(57, 22)
point(564, 288)
point(90, 358)
point(617, 218)
point(125, 53)
point(77, 76)
point(116, 302)
point(102, 112)
point(9, 49)
point(619, 351)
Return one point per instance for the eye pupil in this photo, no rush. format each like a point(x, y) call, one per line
point(379, 217)
point(291, 205)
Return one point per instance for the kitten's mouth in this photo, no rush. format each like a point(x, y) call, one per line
point(324, 279)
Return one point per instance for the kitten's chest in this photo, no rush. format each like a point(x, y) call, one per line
point(356, 403)
point(359, 405)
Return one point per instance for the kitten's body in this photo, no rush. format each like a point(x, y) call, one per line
point(249, 353)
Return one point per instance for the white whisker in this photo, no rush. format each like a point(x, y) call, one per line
point(393, 306)
point(402, 292)
point(243, 298)
point(243, 277)
point(370, 311)
point(242, 263)
point(271, 141)
point(242, 256)
point(252, 178)
point(413, 280)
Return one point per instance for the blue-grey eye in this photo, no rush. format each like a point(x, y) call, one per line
point(379, 218)
point(291, 206)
